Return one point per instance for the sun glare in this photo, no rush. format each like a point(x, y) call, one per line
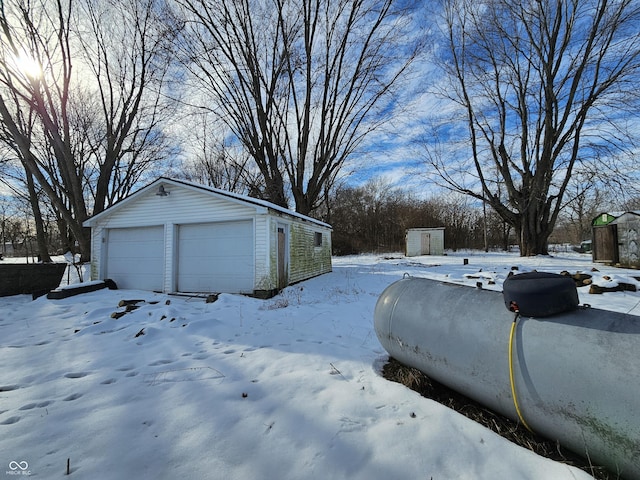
point(28, 66)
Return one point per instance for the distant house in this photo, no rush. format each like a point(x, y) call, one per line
point(424, 241)
point(176, 236)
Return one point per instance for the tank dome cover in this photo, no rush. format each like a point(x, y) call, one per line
point(540, 294)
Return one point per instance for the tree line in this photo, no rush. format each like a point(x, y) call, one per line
point(374, 217)
point(370, 218)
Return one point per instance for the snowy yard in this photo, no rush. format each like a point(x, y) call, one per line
point(286, 388)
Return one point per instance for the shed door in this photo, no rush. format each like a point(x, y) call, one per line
point(605, 244)
point(216, 257)
point(135, 257)
point(425, 244)
point(283, 277)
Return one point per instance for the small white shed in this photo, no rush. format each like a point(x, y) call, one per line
point(176, 236)
point(424, 241)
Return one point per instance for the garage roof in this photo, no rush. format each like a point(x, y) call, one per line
point(259, 204)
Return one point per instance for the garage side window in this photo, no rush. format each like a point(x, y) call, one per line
point(317, 239)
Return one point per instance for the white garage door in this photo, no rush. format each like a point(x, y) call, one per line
point(216, 257)
point(135, 257)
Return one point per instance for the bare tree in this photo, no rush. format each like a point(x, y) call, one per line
point(542, 85)
point(300, 83)
point(86, 117)
point(214, 161)
point(584, 200)
point(217, 168)
point(128, 50)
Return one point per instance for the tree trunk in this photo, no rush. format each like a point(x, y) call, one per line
point(533, 240)
point(41, 239)
point(302, 202)
point(84, 245)
point(274, 191)
point(506, 231)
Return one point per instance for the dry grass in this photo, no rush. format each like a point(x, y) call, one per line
point(513, 431)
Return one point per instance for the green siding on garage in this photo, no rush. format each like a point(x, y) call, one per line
point(308, 260)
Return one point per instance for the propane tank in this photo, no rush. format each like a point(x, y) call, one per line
point(575, 375)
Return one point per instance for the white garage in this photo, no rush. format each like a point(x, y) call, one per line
point(175, 236)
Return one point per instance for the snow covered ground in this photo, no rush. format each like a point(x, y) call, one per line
point(285, 388)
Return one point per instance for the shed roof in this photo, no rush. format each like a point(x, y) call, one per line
point(626, 216)
point(424, 229)
point(604, 218)
point(216, 192)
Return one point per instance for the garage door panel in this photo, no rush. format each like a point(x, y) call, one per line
point(217, 250)
point(216, 257)
point(226, 264)
point(135, 257)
